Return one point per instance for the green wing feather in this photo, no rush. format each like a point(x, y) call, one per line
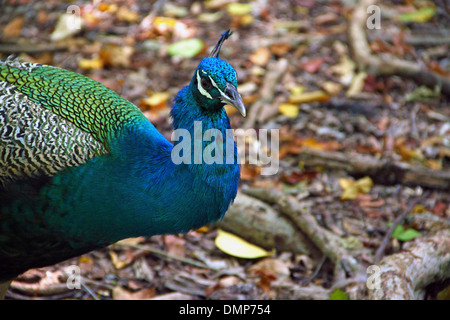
point(51, 119)
point(86, 103)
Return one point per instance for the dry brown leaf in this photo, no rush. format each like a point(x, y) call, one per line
point(120, 293)
point(280, 48)
point(312, 65)
point(14, 27)
point(125, 14)
point(250, 172)
point(271, 266)
point(261, 56)
point(115, 55)
point(175, 245)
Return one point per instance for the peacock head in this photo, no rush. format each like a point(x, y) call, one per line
point(214, 83)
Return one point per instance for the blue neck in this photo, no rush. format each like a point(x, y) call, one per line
point(137, 190)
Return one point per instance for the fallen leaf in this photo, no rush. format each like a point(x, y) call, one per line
point(114, 55)
point(351, 188)
point(14, 27)
point(68, 24)
point(338, 294)
point(164, 24)
point(261, 56)
point(280, 48)
point(186, 48)
point(345, 69)
point(271, 266)
point(107, 7)
point(250, 172)
point(243, 20)
point(314, 144)
point(125, 14)
point(210, 17)
point(289, 110)
point(401, 234)
point(88, 64)
point(312, 65)
point(235, 9)
point(238, 247)
point(319, 95)
point(439, 208)
point(120, 293)
point(332, 88)
point(407, 153)
point(357, 84)
point(175, 245)
point(299, 176)
point(156, 101)
point(420, 15)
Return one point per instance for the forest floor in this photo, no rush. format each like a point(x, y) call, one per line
point(359, 145)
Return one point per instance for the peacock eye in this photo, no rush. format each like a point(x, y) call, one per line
point(206, 83)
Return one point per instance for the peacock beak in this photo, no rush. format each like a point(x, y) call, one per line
point(233, 98)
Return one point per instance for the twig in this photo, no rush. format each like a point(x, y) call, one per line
point(166, 255)
point(31, 48)
point(316, 272)
point(387, 237)
point(88, 290)
point(275, 71)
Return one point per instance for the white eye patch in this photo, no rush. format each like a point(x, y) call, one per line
point(200, 88)
point(205, 92)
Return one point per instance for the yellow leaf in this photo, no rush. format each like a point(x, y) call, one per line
point(346, 183)
point(246, 20)
point(156, 100)
point(351, 189)
point(357, 84)
point(236, 9)
point(289, 110)
point(332, 88)
point(364, 184)
point(84, 259)
point(309, 97)
point(164, 24)
point(297, 90)
point(95, 63)
point(238, 247)
point(127, 15)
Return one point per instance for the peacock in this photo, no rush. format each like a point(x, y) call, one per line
point(82, 168)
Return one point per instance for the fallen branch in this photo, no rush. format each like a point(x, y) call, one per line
point(405, 275)
point(329, 244)
point(31, 48)
point(385, 171)
point(387, 238)
point(260, 224)
point(387, 64)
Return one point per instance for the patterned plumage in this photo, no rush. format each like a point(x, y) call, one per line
point(81, 168)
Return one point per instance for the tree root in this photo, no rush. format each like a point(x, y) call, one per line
point(332, 246)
